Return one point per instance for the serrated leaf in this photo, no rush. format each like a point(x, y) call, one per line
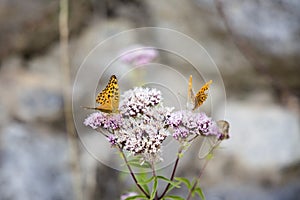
point(185, 181)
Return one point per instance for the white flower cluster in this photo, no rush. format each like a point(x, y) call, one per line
point(143, 123)
point(141, 128)
point(139, 101)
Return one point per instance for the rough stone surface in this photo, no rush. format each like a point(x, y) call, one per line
point(31, 97)
point(267, 33)
point(29, 27)
point(263, 134)
point(250, 192)
point(34, 164)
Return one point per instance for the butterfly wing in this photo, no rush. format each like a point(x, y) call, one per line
point(191, 96)
point(115, 95)
point(108, 98)
point(104, 101)
point(201, 95)
point(207, 146)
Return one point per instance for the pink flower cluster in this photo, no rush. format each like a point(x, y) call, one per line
point(139, 126)
point(186, 123)
point(104, 120)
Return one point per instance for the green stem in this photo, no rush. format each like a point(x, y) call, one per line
point(202, 169)
point(173, 173)
point(132, 174)
point(154, 175)
point(198, 179)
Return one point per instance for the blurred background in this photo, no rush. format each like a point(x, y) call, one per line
point(255, 44)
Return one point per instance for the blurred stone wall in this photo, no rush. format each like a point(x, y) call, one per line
point(29, 27)
point(33, 144)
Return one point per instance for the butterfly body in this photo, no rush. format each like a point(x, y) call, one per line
point(108, 98)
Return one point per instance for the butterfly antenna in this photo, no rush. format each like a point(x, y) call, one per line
point(88, 108)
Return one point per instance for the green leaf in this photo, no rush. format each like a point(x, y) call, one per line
point(141, 176)
point(173, 197)
point(185, 181)
point(136, 162)
point(146, 188)
point(144, 182)
point(173, 183)
point(136, 197)
point(172, 187)
point(199, 191)
point(154, 189)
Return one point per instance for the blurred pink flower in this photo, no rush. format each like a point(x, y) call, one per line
point(139, 55)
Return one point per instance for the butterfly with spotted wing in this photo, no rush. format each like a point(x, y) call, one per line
point(108, 98)
point(201, 96)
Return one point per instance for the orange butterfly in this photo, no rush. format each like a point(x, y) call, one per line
point(201, 96)
point(108, 98)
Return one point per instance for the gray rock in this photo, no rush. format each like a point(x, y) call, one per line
point(31, 96)
point(264, 134)
point(199, 21)
point(238, 192)
point(253, 192)
point(39, 104)
point(34, 164)
point(4, 116)
point(29, 27)
point(267, 33)
point(290, 191)
point(269, 27)
point(273, 27)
